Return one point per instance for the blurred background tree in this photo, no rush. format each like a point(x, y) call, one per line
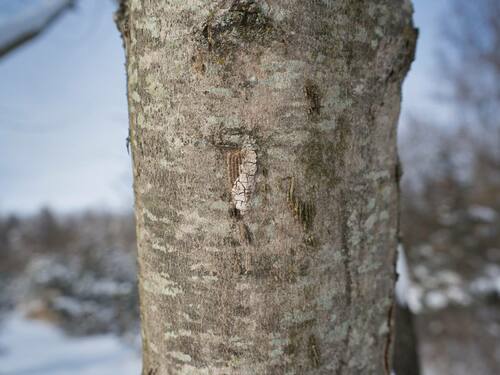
point(451, 199)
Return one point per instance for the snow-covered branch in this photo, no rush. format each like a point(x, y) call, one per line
point(22, 20)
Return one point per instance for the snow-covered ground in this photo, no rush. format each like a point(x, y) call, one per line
point(29, 347)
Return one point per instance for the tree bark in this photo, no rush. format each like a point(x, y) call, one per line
point(264, 156)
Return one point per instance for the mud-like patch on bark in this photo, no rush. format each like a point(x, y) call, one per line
point(234, 26)
point(313, 96)
point(302, 210)
point(242, 22)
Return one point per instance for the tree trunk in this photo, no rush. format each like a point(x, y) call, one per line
point(264, 155)
point(405, 358)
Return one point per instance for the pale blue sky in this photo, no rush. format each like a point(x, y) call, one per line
point(63, 117)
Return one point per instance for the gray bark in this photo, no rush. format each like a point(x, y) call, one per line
point(264, 155)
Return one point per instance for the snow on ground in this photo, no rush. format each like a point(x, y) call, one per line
point(29, 347)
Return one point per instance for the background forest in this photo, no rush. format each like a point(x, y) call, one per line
point(73, 264)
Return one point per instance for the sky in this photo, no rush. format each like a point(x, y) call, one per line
point(63, 114)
